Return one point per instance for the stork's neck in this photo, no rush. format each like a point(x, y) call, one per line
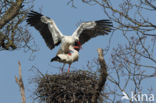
point(72, 49)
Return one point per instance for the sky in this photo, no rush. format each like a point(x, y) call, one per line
point(67, 19)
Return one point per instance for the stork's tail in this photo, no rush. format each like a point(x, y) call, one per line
point(56, 58)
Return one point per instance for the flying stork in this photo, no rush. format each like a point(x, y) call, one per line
point(53, 36)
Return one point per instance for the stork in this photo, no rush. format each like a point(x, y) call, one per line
point(68, 58)
point(53, 37)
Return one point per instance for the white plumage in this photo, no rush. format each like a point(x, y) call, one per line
point(68, 58)
point(53, 37)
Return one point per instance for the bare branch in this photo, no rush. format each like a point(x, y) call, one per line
point(20, 83)
point(14, 33)
point(150, 4)
point(11, 13)
point(103, 75)
point(103, 70)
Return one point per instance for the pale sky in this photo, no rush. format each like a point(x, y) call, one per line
point(67, 20)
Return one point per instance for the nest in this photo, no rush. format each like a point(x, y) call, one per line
point(73, 87)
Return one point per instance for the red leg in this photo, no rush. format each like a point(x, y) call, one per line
point(69, 68)
point(62, 68)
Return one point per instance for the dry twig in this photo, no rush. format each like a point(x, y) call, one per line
point(20, 83)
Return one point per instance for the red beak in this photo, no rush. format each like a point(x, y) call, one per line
point(76, 47)
point(79, 44)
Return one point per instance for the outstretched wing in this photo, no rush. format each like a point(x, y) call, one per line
point(88, 30)
point(47, 28)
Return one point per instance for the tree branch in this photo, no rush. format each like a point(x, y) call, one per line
point(6, 45)
point(20, 84)
point(2, 36)
point(103, 70)
point(11, 13)
point(103, 75)
point(150, 4)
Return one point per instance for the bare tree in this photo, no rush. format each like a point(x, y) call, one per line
point(13, 32)
point(133, 61)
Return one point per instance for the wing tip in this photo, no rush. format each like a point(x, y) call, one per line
point(104, 22)
point(34, 12)
point(33, 16)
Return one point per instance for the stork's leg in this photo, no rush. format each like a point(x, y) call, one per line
point(62, 68)
point(69, 68)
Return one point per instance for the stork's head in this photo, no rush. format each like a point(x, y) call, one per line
point(77, 45)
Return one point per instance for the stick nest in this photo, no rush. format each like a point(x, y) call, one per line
point(73, 87)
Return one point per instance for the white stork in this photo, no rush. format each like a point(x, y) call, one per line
point(53, 37)
point(67, 58)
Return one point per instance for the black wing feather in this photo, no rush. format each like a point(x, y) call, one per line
point(103, 27)
point(34, 19)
